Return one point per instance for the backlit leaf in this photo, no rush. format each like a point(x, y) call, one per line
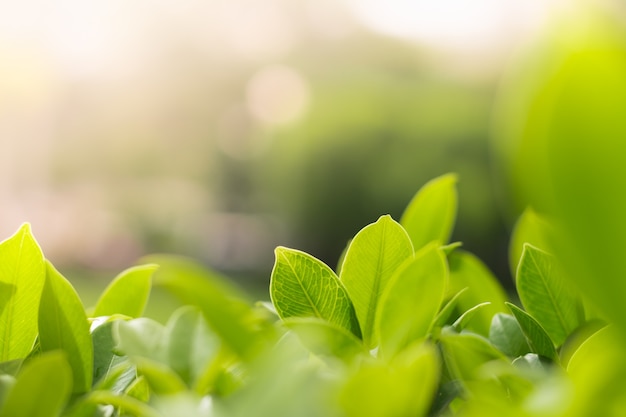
point(190, 343)
point(431, 214)
point(546, 295)
point(63, 325)
point(22, 276)
point(41, 389)
point(410, 302)
point(372, 257)
point(467, 271)
point(403, 387)
point(303, 286)
point(128, 293)
point(227, 310)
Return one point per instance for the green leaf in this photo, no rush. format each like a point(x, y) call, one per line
point(303, 286)
point(161, 378)
point(22, 276)
point(390, 389)
point(445, 313)
point(431, 213)
point(467, 271)
point(372, 257)
point(130, 405)
point(466, 353)
point(142, 337)
point(128, 293)
point(410, 302)
point(190, 343)
point(107, 364)
point(323, 338)
point(530, 228)
point(546, 295)
point(506, 334)
point(537, 338)
point(6, 385)
point(63, 325)
point(462, 322)
point(42, 388)
point(228, 312)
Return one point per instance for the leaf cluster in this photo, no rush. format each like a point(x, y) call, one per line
point(408, 324)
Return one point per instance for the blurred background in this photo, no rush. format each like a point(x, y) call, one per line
point(219, 129)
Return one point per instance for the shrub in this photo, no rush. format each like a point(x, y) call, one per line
point(408, 324)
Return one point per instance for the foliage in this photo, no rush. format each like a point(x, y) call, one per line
point(408, 325)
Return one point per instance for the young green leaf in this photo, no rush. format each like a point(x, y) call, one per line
point(462, 322)
point(190, 343)
point(530, 228)
point(326, 339)
point(224, 307)
point(303, 286)
point(431, 213)
point(22, 276)
point(42, 388)
point(505, 334)
point(128, 293)
point(467, 271)
point(417, 288)
point(106, 363)
point(372, 257)
point(537, 338)
point(546, 296)
point(63, 325)
point(444, 315)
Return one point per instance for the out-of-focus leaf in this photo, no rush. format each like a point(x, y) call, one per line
point(431, 214)
point(140, 337)
point(462, 322)
point(410, 302)
point(225, 308)
point(129, 404)
point(597, 370)
point(41, 389)
point(546, 295)
point(63, 325)
point(303, 286)
point(530, 228)
point(467, 271)
point(22, 276)
point(190, 343)
point(161, 378)
point(390, 389)
point(6, 384)
point(532, 361)
point(372, 257)
point(128, 293)
point(466, 353)
point(324, 338)
point(538, 340)
point(446, 312)
point(506, 335)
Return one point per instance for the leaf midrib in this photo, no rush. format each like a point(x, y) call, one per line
point(555, 305)
point(374, 294)
point(304, 291)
